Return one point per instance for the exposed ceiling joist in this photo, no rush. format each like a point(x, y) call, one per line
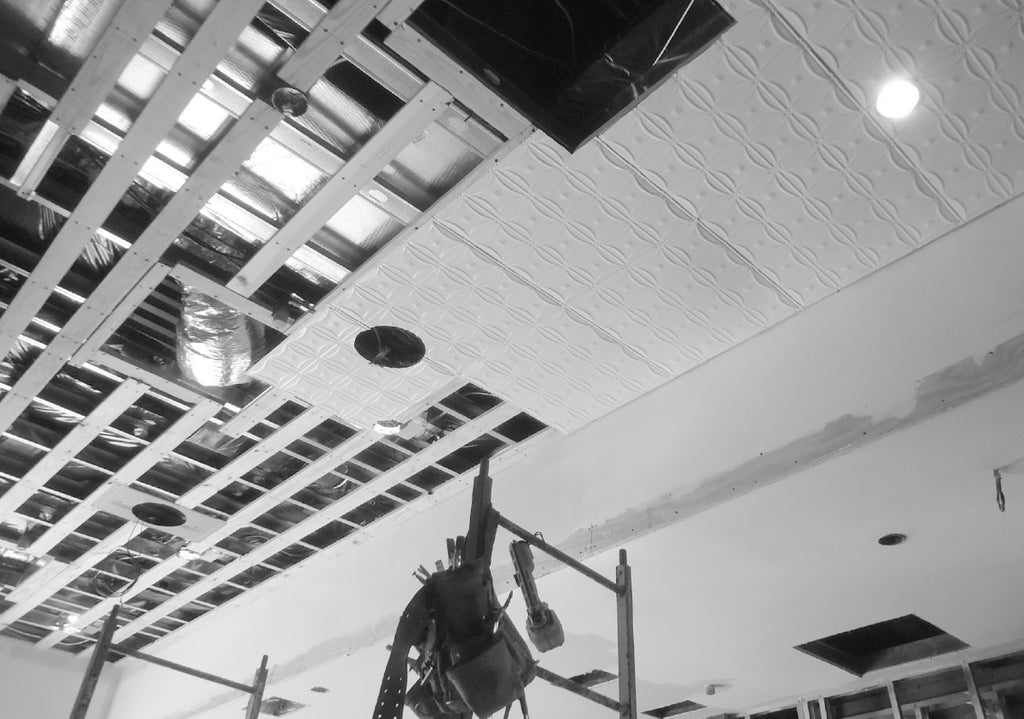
point(196, 496)
point(208, 286)
point(116, 317)
point(218, 32)
point(375, 487)
point(187, 425)
point(371, 158)
point(125, 34)
point(37, 587)
point(241, 139)
point(472, 93)
point(249, 415)
point(77, 439)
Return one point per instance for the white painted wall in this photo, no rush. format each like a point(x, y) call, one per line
point(43, 684)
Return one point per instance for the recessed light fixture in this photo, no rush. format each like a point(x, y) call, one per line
point(891, 540)
point(897, 98)
point(387, 426)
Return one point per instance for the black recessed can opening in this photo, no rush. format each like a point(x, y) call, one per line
point(891, 540)
point(157, 514)
point(393, 347)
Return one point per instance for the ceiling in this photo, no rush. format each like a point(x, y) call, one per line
point(746, 330)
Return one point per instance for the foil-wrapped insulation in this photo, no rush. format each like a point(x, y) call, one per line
point(216, 344)
point(56, 34)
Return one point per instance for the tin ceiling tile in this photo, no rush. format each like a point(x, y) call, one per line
point(965, 137)
point(322, 367)
point(756, 142)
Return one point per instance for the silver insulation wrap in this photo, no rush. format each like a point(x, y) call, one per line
point(216, 344)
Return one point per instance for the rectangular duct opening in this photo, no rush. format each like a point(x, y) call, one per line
point(884, 644)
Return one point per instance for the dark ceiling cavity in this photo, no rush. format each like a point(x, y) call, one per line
point(575, 66)
point(884, 644)
point(392, 347)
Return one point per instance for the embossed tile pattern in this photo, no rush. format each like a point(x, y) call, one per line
point(323, 368)
point(967, 135)
point(757, 144)
point(755, 182)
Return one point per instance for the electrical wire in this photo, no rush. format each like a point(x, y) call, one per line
point(505, 37)
point(572, 31)
point(672, 36)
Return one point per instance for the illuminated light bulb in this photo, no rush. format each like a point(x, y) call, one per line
point(897, 99)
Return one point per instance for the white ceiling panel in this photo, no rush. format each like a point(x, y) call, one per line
point(323, 368)
point(586, 289)
point(595, 235)
point(757, 143)
point(966, 58)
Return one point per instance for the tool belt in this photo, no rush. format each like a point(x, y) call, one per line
point(471, 659)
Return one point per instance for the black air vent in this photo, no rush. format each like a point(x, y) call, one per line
point(885, 644)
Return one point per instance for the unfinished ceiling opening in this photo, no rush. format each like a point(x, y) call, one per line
point(571, 67)
point(884, 644)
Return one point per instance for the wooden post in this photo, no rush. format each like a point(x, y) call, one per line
point(894, 701)
point(259, 684)
point(627, 663)
point(972, 691)
point(92, 672)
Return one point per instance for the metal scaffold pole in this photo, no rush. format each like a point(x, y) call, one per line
point(96, 662)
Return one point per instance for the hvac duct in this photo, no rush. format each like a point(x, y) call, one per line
point(216, 344)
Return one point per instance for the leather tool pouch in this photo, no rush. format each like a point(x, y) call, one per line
point(472, 659)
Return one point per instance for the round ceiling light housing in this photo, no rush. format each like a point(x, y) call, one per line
point(392, 347)
point(891, 540)
point(289, 101)
point(387, 426)
point(897, 99)
point(156, 514)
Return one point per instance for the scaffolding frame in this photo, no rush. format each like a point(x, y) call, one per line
point(483, 523)
point(105, 647)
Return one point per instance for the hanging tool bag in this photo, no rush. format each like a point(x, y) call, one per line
point(471, 659)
